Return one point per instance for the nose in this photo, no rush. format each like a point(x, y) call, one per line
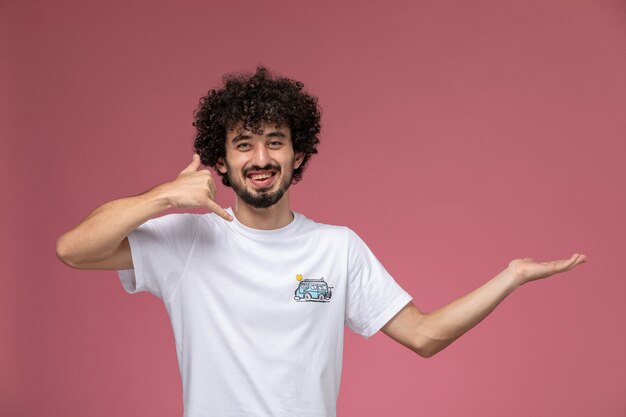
point(261, 156)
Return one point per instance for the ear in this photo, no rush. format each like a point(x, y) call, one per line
point(221, 166)
point(297, 161)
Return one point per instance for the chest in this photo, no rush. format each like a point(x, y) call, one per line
point(267, 287)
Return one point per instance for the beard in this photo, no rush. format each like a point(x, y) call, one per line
point(260, 198)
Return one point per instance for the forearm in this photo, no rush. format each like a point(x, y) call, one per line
point(438, 329)
point(102, 231)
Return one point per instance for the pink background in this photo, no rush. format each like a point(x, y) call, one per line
point(456, 137)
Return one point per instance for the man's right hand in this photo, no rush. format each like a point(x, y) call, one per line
point(193, 188)
point(100, 241)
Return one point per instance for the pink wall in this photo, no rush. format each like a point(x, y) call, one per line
point(457, 136)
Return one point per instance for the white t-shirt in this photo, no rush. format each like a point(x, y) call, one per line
point(258, 315)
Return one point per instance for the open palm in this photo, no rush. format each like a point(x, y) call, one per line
point(528, 270)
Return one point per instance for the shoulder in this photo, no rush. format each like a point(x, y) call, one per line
point(330, 230)
point(173, 223)
point(351, 239)
point(176, 219)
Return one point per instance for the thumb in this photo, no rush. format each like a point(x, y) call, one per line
point(193, 166)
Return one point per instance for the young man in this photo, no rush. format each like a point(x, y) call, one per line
point(258, 295)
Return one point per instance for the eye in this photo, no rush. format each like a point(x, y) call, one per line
point(275, 143)
point(243, 146)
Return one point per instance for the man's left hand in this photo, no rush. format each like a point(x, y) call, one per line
point(526, 269)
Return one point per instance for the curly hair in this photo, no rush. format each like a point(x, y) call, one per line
point(252, 100)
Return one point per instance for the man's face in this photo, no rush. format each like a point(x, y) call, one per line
point(260, 166)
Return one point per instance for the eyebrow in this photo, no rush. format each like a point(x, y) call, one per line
point(244, 136)
point(241, 136)
point(276, 134)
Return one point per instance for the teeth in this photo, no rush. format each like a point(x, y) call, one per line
point(260, 176)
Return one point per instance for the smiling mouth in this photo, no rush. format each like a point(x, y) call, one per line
point(261, 176)
point(261, 179)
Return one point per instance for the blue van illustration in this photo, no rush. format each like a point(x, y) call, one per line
point(313, 290)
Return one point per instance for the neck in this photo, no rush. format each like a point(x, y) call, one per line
point(273, 217)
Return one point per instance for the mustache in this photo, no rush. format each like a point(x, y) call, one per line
point(269, 167)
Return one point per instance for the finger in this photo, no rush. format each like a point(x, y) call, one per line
point(579, 260)
point(193, 166)
point(212, 187)
point(567, 264)
point(215, 208)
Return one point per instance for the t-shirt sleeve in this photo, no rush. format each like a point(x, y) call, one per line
point(160, 249)
point(373, 296)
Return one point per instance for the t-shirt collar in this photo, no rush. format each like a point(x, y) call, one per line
point(281, 232)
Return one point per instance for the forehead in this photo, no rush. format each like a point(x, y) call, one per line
point(264, 129)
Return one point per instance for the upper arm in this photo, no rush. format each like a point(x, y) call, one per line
point(403, 327)
point(120, 259)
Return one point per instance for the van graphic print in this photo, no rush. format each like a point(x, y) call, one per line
point(312, 290)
